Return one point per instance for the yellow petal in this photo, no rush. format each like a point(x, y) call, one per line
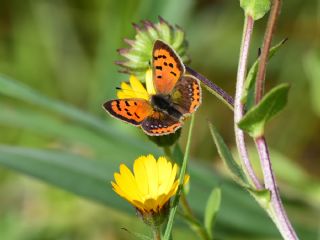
point(171, 178)
point(126, 91)
point(149, 82)
point(127, 183)
point(141, 175)
point(164, 173)
point(138, 88)
point(152, 175)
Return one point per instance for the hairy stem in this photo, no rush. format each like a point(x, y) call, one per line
point(277, 210)
point(279, 214)
point(274, 13)
point(238, 106)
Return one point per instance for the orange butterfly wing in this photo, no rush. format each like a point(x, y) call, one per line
point(167, 67)
point(133, 111)
point(187, 94)
point(160, 123)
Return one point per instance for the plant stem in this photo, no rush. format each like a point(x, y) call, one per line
point(238, 106)
point(279, 214)
point(213, 88)
point(277, 210)
point(181, 180)
point(274, 13)
point(156, 233)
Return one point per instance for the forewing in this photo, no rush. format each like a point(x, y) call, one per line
point(132, 111)
point(167, 67)
point(187, 94)
point(159, 124)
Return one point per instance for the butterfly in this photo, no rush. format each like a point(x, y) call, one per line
point(178, 94)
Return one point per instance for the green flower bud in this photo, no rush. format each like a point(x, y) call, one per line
point(139, 53)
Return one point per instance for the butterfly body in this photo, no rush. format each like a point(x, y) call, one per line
point(164, 104)
point(177, 95)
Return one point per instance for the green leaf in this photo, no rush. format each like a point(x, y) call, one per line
point(87, 178)
point(90, 178)
point(262, 196)
point(251, 77)
point(226, 156)
point(20, 91)
point(212, 208)
point(255, 8)
point(137, 235)
point(48, 126)
point(272, 103)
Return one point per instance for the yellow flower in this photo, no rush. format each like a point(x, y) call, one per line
point(135, 89)
point(151, 186)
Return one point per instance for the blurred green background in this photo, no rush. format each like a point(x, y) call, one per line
point(56, 65)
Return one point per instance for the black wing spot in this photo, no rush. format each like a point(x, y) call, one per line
point(155, 57)
point(171, 65)
point(173, 73)
point(118, 106)
point(127, 111)
point(159, 76)
point(135, 103)
point(159, 67)
point(136, 115)
point(127, 104)
point(165, 63)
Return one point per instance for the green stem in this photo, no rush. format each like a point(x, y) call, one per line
point(181, 178)
point(156, 233)
point(238, 105)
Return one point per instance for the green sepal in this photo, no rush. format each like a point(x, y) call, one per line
point(138, 55)
point(227, 157)
point(155, 219)
point(273, 102)
point(255, 8)
point(212, 208)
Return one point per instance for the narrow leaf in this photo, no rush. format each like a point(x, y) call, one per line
point(255, 8)
point(15, 89)
point(251, 77)
point(137, 235)
point(212, 208)
point(90, 178)
point(226, 156)
point(272, 103)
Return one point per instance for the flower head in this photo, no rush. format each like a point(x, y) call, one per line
point(150, 186)
point(135, 88)
point(139, 52)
